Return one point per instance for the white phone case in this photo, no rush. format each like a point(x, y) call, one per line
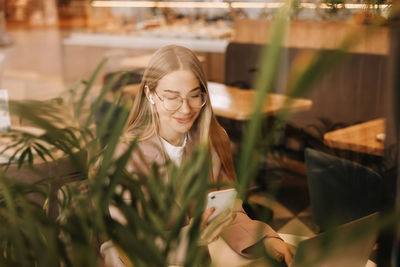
point(221, 200)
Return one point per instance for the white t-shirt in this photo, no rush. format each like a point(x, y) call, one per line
point(175, 153)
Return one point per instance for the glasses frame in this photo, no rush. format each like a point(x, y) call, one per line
point(183, 99)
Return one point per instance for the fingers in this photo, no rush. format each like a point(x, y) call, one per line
point(216, 226)
point(206, 215)
point(290, 251)
point(279, 250)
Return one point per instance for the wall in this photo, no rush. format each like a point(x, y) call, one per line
point(311, 34)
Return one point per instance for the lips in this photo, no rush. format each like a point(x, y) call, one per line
point(183, 120)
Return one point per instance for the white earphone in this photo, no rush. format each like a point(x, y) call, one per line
point(150, 96)
point(151, 99)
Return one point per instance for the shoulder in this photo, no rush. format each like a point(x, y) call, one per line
point(145, 152)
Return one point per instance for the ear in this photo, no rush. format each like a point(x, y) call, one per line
point(147, 90)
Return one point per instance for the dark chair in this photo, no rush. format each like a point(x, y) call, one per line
point(130, 77)
point(341, 190)
point(241, 64)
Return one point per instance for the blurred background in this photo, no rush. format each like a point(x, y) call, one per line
point(47, 46)
point(52, 43)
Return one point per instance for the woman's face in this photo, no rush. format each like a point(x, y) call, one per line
point(173, 124)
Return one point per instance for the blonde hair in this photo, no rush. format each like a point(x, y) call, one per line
point(143, 119)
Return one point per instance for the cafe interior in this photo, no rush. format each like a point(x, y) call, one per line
point(327, 146)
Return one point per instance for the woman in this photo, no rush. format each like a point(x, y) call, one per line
point(172, 111)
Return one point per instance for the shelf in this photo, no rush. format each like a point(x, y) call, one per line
point(144, 42)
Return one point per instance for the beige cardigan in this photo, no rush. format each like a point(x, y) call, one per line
point(242, 233)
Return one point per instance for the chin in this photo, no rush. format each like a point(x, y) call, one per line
point(183, 128)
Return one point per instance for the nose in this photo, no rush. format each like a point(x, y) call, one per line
point(185, 108)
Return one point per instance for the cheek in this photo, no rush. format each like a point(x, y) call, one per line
point(162, 113)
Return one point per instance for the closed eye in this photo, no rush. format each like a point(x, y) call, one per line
point(171, 97)
point(195, 96)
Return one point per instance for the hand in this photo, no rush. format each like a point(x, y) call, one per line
point(279, 250)
point(211, 230)
point(206, 215)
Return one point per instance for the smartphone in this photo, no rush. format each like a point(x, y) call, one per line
point(221, 200)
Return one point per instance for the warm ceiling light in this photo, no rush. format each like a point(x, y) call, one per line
point(123, 3)
point(194, 4)
point(159, 4)
point(307, 5)
point(361, 6)
point(182, 4)
point(256, 5)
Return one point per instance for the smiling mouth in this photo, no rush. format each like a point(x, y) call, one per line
point(183, 120)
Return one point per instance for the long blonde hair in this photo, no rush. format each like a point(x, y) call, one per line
point(143, 119)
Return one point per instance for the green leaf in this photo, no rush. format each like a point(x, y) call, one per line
point(270, 59)
point(88, 86)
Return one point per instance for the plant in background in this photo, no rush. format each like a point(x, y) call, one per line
point(332, 10)
point(296, 9)
point(374, 13)
point(334, 6)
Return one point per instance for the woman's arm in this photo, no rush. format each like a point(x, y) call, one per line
point(244, 233)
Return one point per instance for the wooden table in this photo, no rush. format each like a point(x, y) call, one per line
point(359, 138)
point(238, 104)
point(222, 255)
point(141, 62)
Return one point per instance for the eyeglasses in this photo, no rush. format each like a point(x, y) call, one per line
point(195, 100)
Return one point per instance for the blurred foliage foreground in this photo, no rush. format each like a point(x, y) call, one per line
point(57, 214)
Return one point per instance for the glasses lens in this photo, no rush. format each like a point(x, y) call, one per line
point(197, 100)
point(172, 103)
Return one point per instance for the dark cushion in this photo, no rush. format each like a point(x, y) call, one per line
point(129, 77)
point(241, 64)
point(340, 190)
